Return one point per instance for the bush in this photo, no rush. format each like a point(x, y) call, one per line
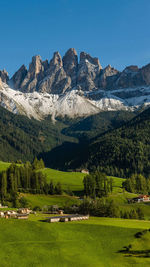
point(37, 208)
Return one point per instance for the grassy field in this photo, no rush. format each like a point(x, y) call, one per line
point(117, 184)
point(74, 180)
point(42, 200)
point(68, 180)
point(92, 243)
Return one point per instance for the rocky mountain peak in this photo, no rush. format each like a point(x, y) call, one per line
point(4, 76)
point(70, 64)
point(56, 60)
point(88, 72)
point(130, 77)
point(56, 80)
point(84, 57)
point(64, 74)
point(70, 59)
point(132, 68)
point(145, 72)
point(19, 76)
point(65, 86)
point(35, 66)
point(107, 77)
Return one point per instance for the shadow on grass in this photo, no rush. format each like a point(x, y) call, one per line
point(136, 253)
point(42, 220)
point(129, 252)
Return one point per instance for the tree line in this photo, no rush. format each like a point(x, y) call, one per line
point(97, 184)
point(102, 207)
point(26, 178)
point(137, 183)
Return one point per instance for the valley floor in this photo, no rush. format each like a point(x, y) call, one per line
point(91, 243)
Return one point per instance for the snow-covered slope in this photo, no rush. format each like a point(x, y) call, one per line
point(39, 105)
point(73, 103)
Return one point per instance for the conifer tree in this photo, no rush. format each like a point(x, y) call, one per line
point(3, 184)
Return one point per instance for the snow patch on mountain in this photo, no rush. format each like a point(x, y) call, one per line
point(110, 104)
point(39, 105)
point(73, 103)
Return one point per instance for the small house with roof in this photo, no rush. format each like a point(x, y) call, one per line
point(140, 198)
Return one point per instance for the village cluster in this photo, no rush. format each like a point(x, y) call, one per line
point(21, 213)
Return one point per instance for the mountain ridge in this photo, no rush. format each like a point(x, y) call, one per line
point(68, 86)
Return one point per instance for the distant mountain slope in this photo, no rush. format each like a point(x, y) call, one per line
point(21, 138)
point(123, 151)
point(119, 152)
point(73, 155)
point(94, 125)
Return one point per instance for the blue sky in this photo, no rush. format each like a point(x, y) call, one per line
point(115, 31)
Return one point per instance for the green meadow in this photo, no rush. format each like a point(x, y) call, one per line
point(92, 243)
point(74, 182)
point(69, 180)
point(48, 200)
point(97, 242)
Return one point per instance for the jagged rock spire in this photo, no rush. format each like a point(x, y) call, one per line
point(19, 76)
point(4, 76)
point(56, 80)
point(70, 64)
point(88, 72)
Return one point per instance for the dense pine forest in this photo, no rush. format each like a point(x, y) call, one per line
point(23, 138)
point(123, 151)
point(115, 142)
point(120, 152)
point(26, 178)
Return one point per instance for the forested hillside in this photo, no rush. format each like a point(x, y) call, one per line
point(89, 127)
point(91, 142)
point(71, 155)
point(23, 138)
point(123, 151)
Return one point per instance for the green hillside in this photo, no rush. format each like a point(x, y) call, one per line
point(73, 181)
point(68, 180)
point(47, 200)
point(93, 243)
point(124, 150)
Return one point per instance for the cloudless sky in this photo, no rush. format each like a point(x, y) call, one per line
point(115, 31)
